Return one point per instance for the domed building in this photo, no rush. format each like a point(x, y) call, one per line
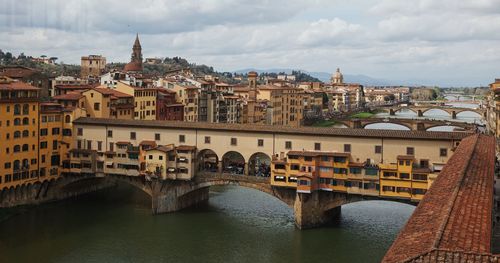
point(135, 64)
point(337, 77)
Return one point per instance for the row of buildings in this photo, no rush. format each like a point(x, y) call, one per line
point(493, 111)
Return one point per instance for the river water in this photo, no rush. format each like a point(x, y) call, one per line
point(236, 225)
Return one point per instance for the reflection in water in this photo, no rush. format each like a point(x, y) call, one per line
point(237, 225)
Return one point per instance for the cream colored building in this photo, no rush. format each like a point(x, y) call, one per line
point(370, 146)
point(171, 162)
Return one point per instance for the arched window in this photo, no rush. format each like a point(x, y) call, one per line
point(26, 147)
point(26, 109)
point(17, 134)
point(17, 165)
point(17, 109)
point(17, 148)
point(26, 164)
point(26, 121)
point(26, 133)
point(17, 122)
point(67, 119)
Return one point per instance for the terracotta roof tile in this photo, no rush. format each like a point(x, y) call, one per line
point(455, 214)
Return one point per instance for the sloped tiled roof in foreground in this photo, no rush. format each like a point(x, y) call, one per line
point(453, 222)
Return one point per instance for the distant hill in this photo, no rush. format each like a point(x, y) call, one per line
point(325, 77)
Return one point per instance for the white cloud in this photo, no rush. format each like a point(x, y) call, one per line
point(442, 41)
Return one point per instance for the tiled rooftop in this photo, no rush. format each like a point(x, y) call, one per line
point(454, 218)
point(317, 131)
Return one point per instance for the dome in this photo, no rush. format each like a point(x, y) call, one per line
point(133, 66)
point(252, 74)
point(337, 73)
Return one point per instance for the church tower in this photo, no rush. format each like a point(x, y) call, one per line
point(135, 63)
point(137, 51)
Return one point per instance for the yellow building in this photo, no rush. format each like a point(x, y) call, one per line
point(144, 100)
point(171, 162)
point(309, 171)
point(188, 95)
point(92, 66)
point(55, 140)
point(19, 106)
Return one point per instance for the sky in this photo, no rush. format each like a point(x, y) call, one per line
point(431, 42)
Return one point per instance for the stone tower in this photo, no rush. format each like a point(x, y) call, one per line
point(137, 51)
point(252, 85)
point(135, 63)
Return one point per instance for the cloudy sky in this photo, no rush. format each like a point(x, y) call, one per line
point(443, 42)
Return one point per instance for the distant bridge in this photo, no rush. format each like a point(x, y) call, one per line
point(420, 110)
point(411, 124)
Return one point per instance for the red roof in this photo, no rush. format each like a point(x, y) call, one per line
point(69, 96)
point(112, 92)
point(17, 72)
point(455, 214)
point(16, 85)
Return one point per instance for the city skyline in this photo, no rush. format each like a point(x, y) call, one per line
point(422, 42)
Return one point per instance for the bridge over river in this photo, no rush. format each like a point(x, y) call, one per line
point(420, 110)
point(411, 124)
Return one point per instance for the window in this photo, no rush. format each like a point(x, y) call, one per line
point(17, 134)
point(89, 145)
point(234, 141)
point(182, 138)
point(80, 132)
point(404, 176)
point(410, 151)
point(420, 177)
point(97, 106)
point(26, 147)
point(325, 158)
point(110, 133)
point(160, 157)
point(43, 158)
point(67, 119)
point(7, 166)
point(55, 131)
point(157, 136)
point(378, 149)
point(207, 139)
point(132, 135)
point(43, 132)
point(288, 145)
point(26, 133)
point(99, 145)
point(260, 143)
point(355, 170)
point(150, 157)
point(54, 144)
point(443, 152)
point(43, 145)
point(17, 148)
point(424, 163)
point(317, 146)
point(347, 148)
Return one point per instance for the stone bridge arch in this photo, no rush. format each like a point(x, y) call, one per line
point(393, 122)
point(234, 162)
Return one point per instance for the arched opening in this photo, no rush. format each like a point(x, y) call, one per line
point(17, 121)
point(17, 134)
point(25, 147)
point(469, 113)
point(259, 164)
point(17, 109)
point(436, 114)
point(387, 126)
point(233, 163)
point(26, 133)
point(26, 109)
point(405, 113)
point(447, 128)
point(26, 121)
point(208, 161)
